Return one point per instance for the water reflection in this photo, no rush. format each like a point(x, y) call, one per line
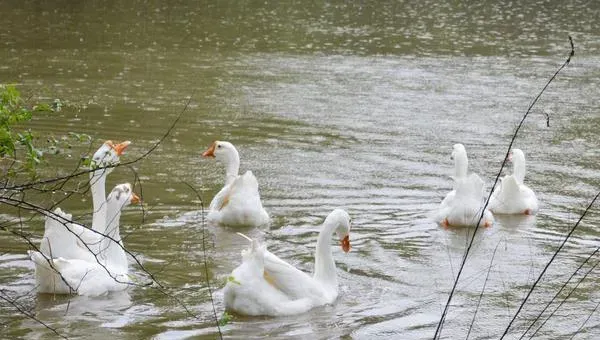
point(75, 307)
point(516, 223)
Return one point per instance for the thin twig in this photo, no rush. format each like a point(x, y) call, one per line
point(212, 302)
point(82, 172)
point(64, 221)
point(558, 293)
point(586, 321)
point(482, 291)
point(8, 193)
point(514, 136)
point(548, 265)
point(29, 315)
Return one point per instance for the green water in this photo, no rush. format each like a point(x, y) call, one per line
point(330, 104)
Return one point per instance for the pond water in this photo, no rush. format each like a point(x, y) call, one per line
point(330, 104)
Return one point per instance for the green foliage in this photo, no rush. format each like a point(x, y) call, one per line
point(225, 319)
point(18, 143)
point(232, 279)
point(13, 111)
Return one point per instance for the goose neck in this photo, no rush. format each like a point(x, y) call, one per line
point(232, 167)
point(324, 264)
point(97, 183)
point(115, 256)
point(519, 169)
point(461, 164)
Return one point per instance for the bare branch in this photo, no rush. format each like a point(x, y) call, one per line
point(514, 137)
point(205, 260)
point(548, 264)
point(558, 293)
point(482, 291)
point(21, 310)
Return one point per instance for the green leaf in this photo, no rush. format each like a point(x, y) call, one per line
point(232, 279)
point(225, 319)
point(42, 108)
point(20, 144)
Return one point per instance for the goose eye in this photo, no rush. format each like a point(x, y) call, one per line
point(219, 146)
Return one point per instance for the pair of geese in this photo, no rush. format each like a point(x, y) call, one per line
point(266, 285)
point(464, 204)
point(73, 258)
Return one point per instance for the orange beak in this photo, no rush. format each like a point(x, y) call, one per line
point(346, 243)
point(120, 148)
point(211, 151)
point(135, 199)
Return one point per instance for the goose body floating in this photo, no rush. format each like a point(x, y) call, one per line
point(93, 276)
point(238, 203)
point(512, 196)
point(264, 284)
point(463, 205)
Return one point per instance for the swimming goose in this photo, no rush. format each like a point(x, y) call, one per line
point(104, 273)
point(512, 196)
point(463, 205)
point(238, 203)
point(264, 284)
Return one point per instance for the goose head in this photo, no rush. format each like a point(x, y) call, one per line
point(121, 196)
point(108, 155)
point(227, 154)
point(222, 151)
point(342, 222)
point(516, 156)
point(461, 162)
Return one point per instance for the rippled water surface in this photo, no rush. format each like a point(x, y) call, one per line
point(330, 104)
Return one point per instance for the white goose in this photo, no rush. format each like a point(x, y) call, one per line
point(512, 196)
point(462, 206)
point(238, 203)
point(103, 160)
point(461, 165)
point(266, 285)
point(92, 278)
point(58, 240)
